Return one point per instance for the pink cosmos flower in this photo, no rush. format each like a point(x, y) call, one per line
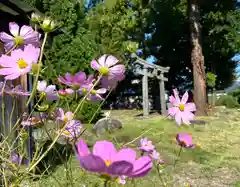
point(87, 86)
point(181, 110)
point(65, 92)
point(49, 91)
point(121, 180)
point(70, 91)
point(13, 91)
point(108, 67)
point(72, 129)
point(146, 145)
point(62, 92)
point(185, 140)
point(154, 155)
point(19, 63)
point(94, 94)
point(31, 122)
point(74, 81)
point(17, 91)
point(24, 36)
point(15, 158)
point(65, 117)
point(106, 160)
point(108, 83)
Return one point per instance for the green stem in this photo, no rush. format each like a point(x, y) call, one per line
point(7, 53)
point(105, 184)
point(11, 115)
point(19, 120)
point(4, 178)
point(160, 175)
point(33, 165)
point(35, 106)
point(100, 105)
point(179, 152)
point(10, 121)
point(95, 113)
point(3, 110)
point(39, 68)
point(89, 91)
point(66, 100)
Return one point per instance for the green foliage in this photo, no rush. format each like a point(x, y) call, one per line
point(236, 94)
point(111, 27)
point(83, 37)
point(89, 113)
point(75, 56)
point(170, 40)
point(211, 79)
point(228, 101)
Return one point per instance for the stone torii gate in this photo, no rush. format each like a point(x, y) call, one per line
point(148, 70)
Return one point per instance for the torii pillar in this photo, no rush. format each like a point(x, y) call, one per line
point(141, 67)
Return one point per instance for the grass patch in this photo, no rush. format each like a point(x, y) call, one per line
point(216, 163)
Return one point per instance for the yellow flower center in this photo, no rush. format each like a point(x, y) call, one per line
point(65, 118)
point(18, 40)
point(181, 107)
point(22, 63)
point(93, 92)
point(66, 132)
point(104, 71)
point(84, 90)
point(108, 163)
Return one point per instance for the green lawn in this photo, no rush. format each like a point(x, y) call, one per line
point(215, 164)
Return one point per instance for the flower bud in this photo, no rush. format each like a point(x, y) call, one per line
point(35, 68)
point(43, 108)
point(69, 91)
point(62, 92)
point(36, 18)
point(48, 25)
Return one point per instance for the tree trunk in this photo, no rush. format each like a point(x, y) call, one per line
point(197, 58)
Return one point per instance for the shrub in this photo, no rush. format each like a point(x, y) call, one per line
point(236, 94)
point(228, 101)
point(89, 113)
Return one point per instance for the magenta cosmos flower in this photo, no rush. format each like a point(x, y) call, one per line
point(106, 160)
point(181, 110)
point(108, 67)
point(185, 140)
point(24, 36)
point(76, 80)
point(19, 63)
point(146, 145)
